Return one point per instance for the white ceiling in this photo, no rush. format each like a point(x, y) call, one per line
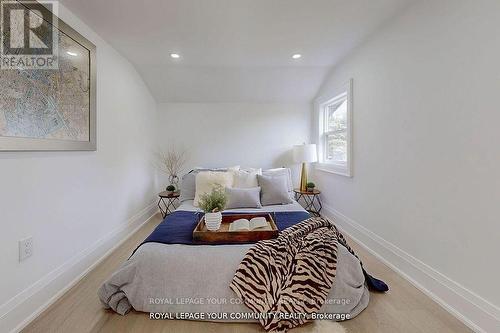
point(234, 50)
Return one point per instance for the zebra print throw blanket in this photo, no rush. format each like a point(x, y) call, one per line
point(289, 275)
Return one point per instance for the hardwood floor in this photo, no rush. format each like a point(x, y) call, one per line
point(403, 309)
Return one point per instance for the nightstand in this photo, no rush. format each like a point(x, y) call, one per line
point(166, 203)
point(311, 200)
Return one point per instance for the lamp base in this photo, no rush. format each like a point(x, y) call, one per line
point(303, 178)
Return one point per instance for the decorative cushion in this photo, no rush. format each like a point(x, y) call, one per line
point(207, 180)
point(243, 197)
point(274, 190)
point(188, 186)
point(188, 181)
point(281, 171)
point(246, 178)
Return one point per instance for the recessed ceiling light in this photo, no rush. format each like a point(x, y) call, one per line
point(297, 56)
point(175, 55)
point(73, 54)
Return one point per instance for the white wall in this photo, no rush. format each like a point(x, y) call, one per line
point(426, 142)
point(225, 134)
point(73, 202)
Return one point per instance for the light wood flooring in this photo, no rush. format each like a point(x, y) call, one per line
point(403, 309)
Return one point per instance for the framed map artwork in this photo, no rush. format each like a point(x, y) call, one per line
point(47, 81)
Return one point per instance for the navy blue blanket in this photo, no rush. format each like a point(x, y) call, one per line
point(177, 228)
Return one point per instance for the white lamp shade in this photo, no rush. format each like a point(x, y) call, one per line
point(305, 153)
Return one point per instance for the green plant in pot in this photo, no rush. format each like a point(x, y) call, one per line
point(213, 203)
point(310, 187)
point(170, 189)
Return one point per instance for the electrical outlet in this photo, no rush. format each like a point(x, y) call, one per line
point(25, 248)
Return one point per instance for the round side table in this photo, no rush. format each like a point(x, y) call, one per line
point(167, 201)
point(311, 200)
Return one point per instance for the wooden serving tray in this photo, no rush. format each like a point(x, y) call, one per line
point(223, 236)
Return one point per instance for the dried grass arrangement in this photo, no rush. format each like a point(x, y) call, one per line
point(171, 162)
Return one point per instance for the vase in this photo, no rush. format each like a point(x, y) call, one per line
point(174, 180)
point(213, 221)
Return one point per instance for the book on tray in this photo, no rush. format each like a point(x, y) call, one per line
point(256, 223)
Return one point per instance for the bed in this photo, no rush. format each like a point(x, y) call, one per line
point(172, 276)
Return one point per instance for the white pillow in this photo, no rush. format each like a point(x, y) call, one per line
point(246, 178)
point(207, 180)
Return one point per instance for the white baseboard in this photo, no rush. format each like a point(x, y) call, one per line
point(20, 310)
point(470, 308)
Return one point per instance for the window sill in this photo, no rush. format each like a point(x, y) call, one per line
point(331, 168)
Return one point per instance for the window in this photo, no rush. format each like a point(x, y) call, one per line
point(335, 131)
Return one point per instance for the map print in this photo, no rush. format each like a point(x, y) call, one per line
point(48, 104)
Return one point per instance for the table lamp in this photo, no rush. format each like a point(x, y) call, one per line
point(305, 153)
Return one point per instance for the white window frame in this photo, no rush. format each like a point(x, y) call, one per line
point(321, 107)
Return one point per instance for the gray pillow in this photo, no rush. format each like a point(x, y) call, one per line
point(274, 190)
point(188, 186)
point(243, 197)
point(281, 171)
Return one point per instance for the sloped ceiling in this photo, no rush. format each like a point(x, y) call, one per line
point(234, 50)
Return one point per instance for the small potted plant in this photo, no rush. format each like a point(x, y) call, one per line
point(310, 187)
point(213, 204)
point(170, 189)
